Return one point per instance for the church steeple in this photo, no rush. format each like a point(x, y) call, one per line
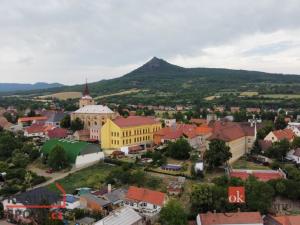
point(86, 91)
point(86, 99)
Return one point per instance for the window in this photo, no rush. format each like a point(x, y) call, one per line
point(131, 204)
point(154, 206)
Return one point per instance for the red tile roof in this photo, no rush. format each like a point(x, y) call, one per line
point(173, 133)
point(145, 195)
point(231, 218)
point(57, 133)
point(135, 121)
point(38, 128)
point(4, 123)
point(198, 121)
point(260, 175)
point(284, 134)
point(34, 118)
point(203, 129)
point(287, 220)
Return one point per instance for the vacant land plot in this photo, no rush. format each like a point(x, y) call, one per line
point(282, 96)
point(63, 95)
point(210, 98)
point(244, 164)
point(93, 177)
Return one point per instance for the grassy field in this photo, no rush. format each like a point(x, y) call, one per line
point(243, 164)
point(63, 95)
point(93, 177)
point(281, 96)
point(210, 98)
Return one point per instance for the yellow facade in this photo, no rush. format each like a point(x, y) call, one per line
point(114, 137)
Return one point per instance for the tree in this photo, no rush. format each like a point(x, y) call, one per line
point(259, 195)
point(279, 149)
point(280, 123)
point(57, 158)
point(264, 131)
point(66, 121)
point(179, 150)
point(296, 142)
point(173, 214)
point(217, 154)
point(202, 198)
point(20, 159)
point(76, 124)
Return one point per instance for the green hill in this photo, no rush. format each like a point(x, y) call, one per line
point(160, 82)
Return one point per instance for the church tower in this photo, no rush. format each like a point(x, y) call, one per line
point(86, 99)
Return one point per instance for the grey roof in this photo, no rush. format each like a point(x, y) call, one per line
point(124, 216)
point(116, 195)
point(38, 196)
point(54, 116)
point(94, 198)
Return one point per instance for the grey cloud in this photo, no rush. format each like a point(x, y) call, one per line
point(68, 37)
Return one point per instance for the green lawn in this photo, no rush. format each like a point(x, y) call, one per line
point(243, 164)
point(93, 177)
point(281, 96)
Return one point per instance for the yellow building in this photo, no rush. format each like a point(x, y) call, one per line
point(130, 131)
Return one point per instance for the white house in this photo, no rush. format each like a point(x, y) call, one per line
point(279, 135)
point(145, 201)
point(295, 127)
point(72, 202)
point(294, 155)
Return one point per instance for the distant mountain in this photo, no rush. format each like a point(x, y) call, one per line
point(159, 82)
point(8, 87)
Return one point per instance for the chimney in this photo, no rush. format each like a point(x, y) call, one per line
point(108, 188)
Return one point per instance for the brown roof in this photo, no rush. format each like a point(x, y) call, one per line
point(264, 145)
point(145, 195)
point(34, 118)
point(57, 133)
point(198, 121)
point(134, 121)
point(231, 218)
point(284, 134)
point(4, 123)
point(38, 128)
point(229, 131)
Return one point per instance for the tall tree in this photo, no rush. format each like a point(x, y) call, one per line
point(180, 149)
point(173, 214)
point(66, 121)
point(217, 154)
point(279, 149)
point(280, 122)
point(76, 124)
point(58, 158)
point(202, 198)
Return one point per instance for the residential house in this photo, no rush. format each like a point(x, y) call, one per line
point(86, 221)
point(282, 220)
point(59, 133)
point(79, 153)
point(94, 203)
point(82, 135)
point(124, 216)
point(294, 155)
point(131, 131)
point(37, 130)
point(295, 127)
point(4, 123)
point(198, 121)
point(239, 218)
point(53, 117)
point(72, 202)
point(26, 121)
point(170, 122)
point(171, 134)
point(95, 133)
point(279, 135)
point(253, 110)
point(239, 137)
point(115, 197)
point(175, 187)
point(234, 109)
point(145, 201)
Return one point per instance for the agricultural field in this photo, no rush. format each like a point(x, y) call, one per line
point(249, 93)
point(131, 91)
point(63, 95)
point(281, 96)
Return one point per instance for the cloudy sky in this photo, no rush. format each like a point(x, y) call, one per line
point(67, 41)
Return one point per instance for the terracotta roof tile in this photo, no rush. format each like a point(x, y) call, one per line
point(284, 134)
point(287, 220)
point(34, 118)
point(145, 195)
point(134, 121)
point(57, 133)
point(231, 218)
point(38, 128)
point(260, 175)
